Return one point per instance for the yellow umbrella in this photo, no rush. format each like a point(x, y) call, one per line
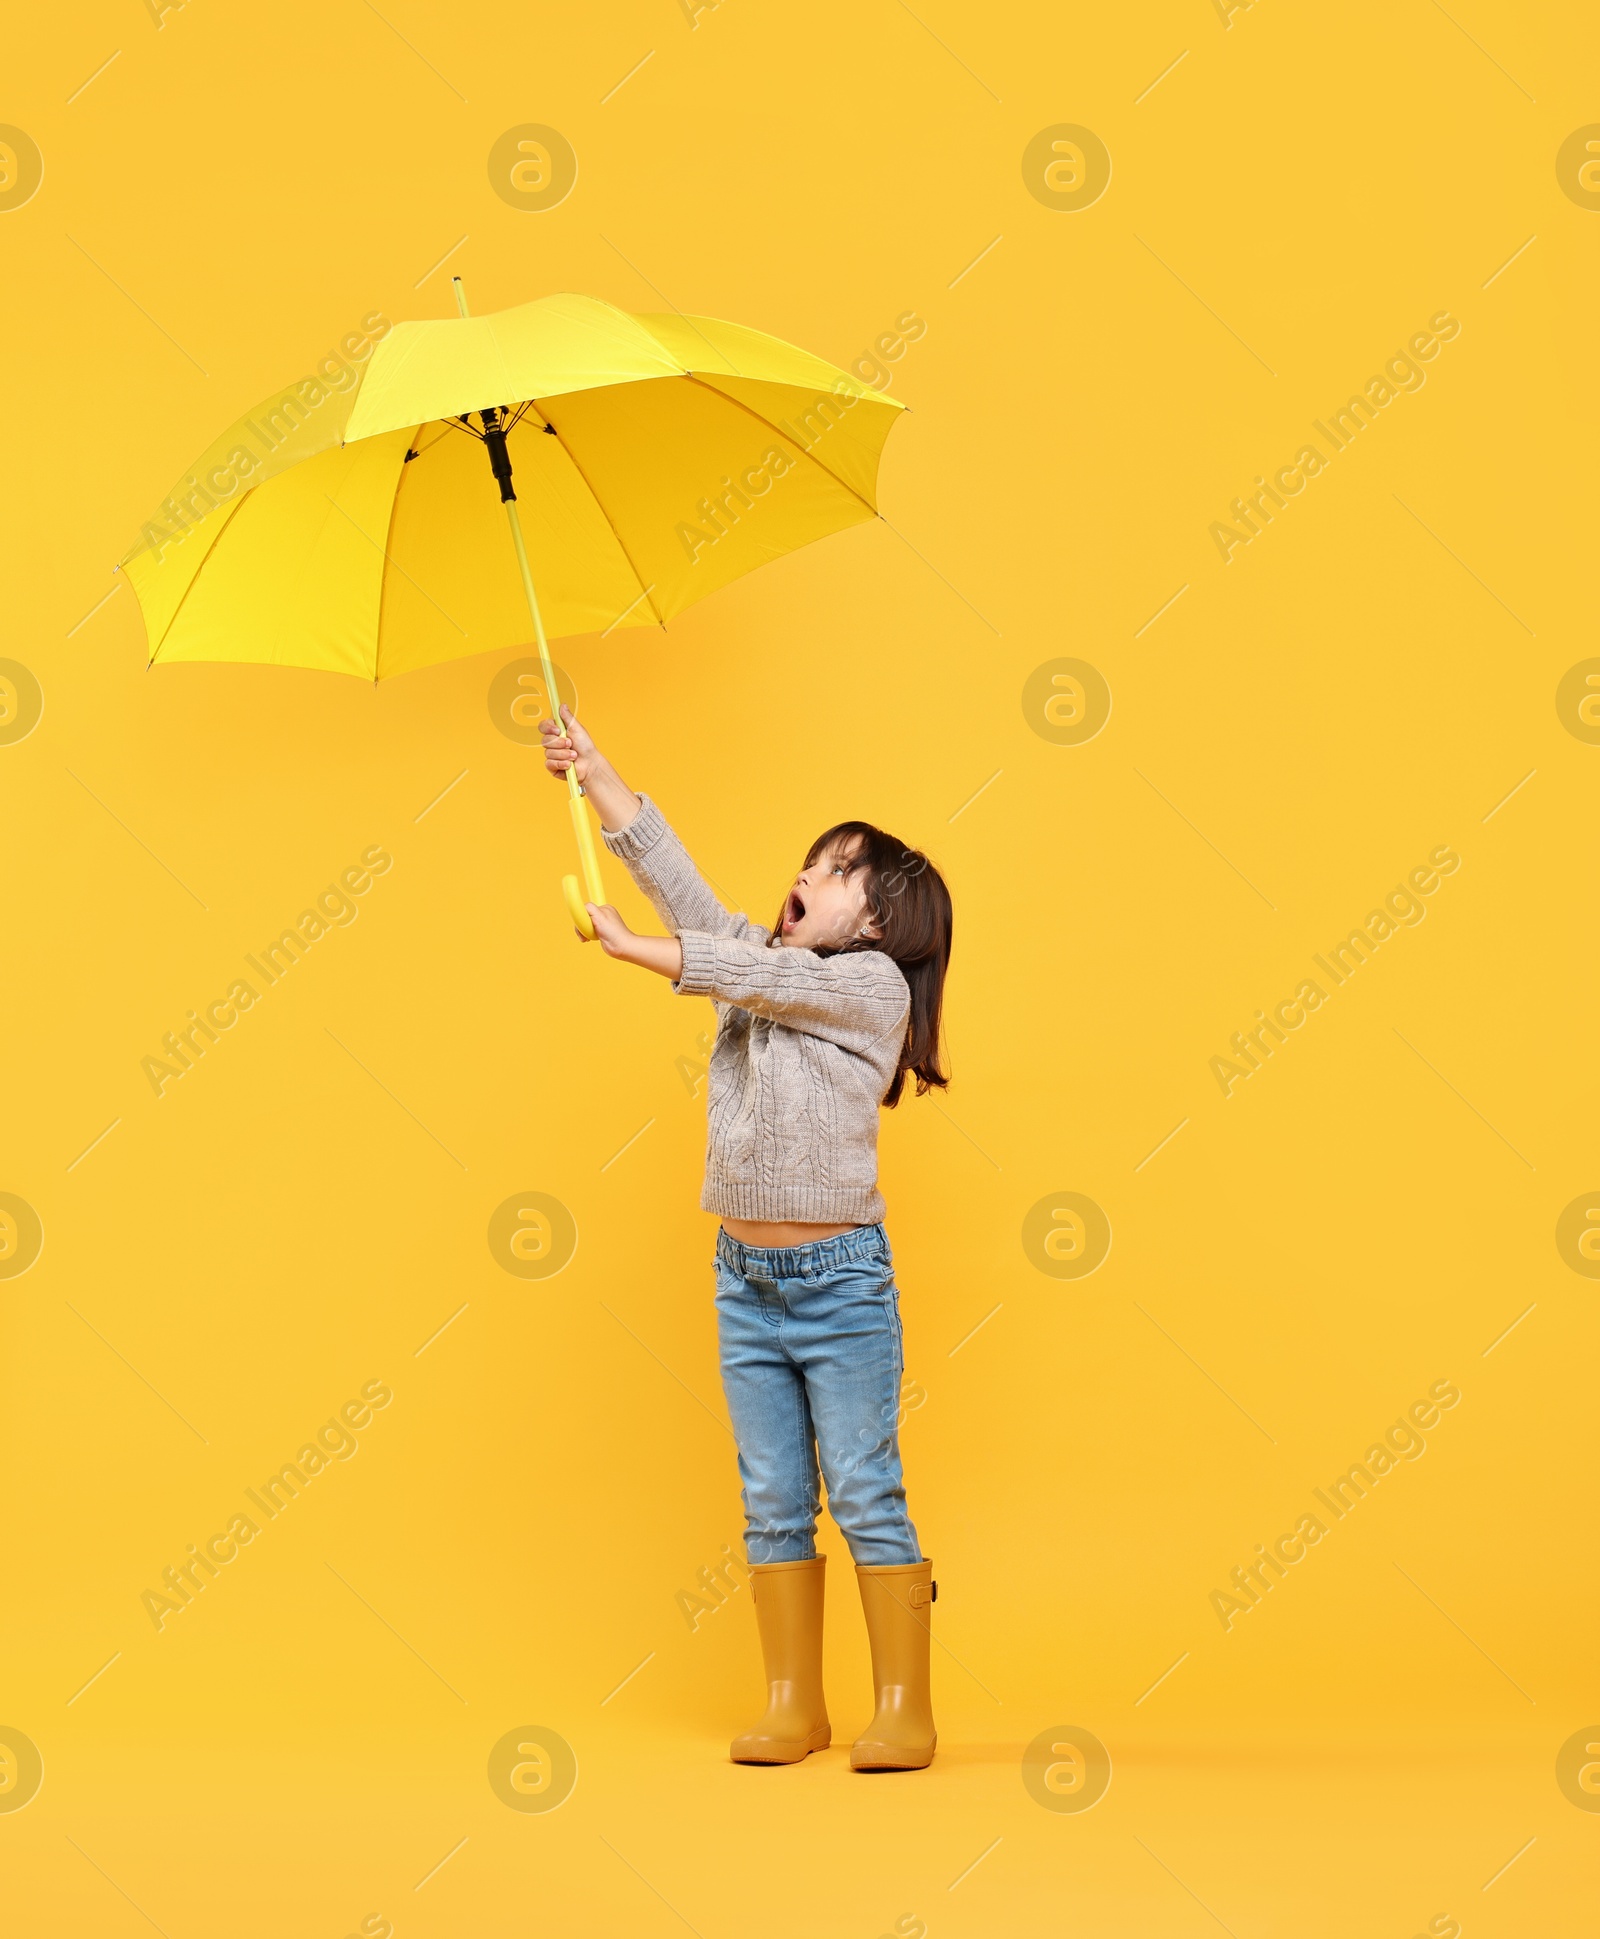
point(347, 522)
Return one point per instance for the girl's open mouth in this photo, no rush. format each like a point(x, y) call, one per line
point(795, 909)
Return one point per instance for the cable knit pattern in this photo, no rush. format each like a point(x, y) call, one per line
point(806, 1047)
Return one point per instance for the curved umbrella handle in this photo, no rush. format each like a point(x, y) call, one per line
point(575, 908)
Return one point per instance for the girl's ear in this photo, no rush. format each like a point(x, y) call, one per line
point(871, 930)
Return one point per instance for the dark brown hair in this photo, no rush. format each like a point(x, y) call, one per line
point(909, 905)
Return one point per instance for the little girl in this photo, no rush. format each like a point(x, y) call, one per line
point(818, 1022)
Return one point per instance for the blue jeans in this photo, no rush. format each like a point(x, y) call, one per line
point(811, 1366)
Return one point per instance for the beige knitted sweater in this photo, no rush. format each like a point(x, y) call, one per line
point(806, 1047)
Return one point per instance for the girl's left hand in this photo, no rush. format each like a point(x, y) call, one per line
point(610, 931)
point(663, 954)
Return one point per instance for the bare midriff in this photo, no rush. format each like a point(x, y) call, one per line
point(780, 1232)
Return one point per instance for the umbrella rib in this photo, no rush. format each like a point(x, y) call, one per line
point(228, 518)
point(383, 577)
point(391, 561)
point(572, 457)
point(804, 449)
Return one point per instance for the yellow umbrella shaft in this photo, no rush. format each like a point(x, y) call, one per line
point(582, 827)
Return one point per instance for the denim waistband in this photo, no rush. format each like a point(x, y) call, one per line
point(792, 1262)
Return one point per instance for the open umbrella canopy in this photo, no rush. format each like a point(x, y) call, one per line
point(350, 522)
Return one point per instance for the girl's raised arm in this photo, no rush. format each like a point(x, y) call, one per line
point(571, 745)
point(636, 831)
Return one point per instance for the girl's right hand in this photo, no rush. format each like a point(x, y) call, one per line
point(568, 746)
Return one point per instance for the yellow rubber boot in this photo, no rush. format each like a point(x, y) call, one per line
point(788, 1599)
point(898, 1602)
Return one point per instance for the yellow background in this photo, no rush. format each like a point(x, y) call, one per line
point(1367, 1215)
